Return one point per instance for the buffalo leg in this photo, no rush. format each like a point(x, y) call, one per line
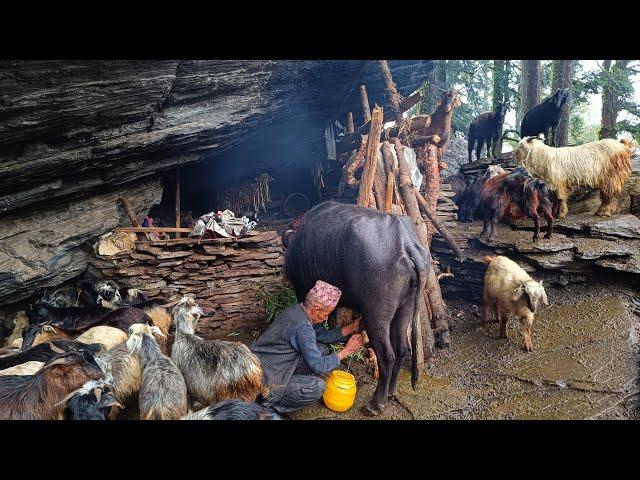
point(400, 323)
point(489, 146)
point(378, 329)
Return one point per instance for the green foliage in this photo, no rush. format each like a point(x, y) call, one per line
point(546, 77)
point(276, 301)
point(357, 355)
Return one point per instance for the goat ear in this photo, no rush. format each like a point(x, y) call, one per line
point(518, 292)
point(157, 331)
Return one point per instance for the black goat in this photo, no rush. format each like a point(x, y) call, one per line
point(46, 351)
point(545, 116)
point(514, 196)
point(486, 128)
point(67, 318)
point(92, 401)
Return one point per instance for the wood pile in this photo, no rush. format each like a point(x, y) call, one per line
point(388, 186)
point(222, 274)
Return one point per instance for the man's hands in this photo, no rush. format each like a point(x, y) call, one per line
point(353, 327)
point(354, 343)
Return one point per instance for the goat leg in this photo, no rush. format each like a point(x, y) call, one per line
point(536, 222)
point(550, 225)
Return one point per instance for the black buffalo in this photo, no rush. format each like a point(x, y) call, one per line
point(376, 259)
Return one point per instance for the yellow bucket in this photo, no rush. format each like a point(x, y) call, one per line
point(340, 392)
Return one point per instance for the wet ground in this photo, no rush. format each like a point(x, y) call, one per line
point(584, 366)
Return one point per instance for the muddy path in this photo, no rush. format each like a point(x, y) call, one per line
point(585, 365)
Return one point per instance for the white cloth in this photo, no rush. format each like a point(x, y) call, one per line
point(410, 157)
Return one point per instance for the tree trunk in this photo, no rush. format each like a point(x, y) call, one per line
point(529, 85)
point(500, 94)
point(563, 78)
point(610, 98)
point(437, 78)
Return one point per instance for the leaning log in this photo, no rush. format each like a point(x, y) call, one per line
point(128, 208)
point(411, 204)
point(434, 294)
point(424, 207)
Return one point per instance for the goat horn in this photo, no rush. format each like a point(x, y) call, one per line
point(55, 349)
point(97, 392)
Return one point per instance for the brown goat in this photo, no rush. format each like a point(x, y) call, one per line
point(441, 120)
point(38, 397)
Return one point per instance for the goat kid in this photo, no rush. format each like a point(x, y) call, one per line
point(509, 290)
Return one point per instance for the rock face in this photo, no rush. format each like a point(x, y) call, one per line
point(45, 249)
point(69, 128)
point(74, 132)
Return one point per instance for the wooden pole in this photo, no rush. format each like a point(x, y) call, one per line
point(428, 156)
point(364, 100)
point(433, 287)
point(353, 83)
point(350, 126)
point(369, 170)
point(128, 208)
point(424, 207)
point(178, 201)
point(389, 196)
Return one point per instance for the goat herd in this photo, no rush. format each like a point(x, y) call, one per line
point(83, 353)
point(525, 192)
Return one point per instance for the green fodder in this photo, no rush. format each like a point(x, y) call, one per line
point(275, 301)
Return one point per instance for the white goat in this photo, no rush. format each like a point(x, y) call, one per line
point(510, 290)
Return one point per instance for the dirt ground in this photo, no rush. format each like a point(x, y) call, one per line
point(585, 365)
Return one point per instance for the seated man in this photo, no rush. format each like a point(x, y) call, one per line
point(288, 349)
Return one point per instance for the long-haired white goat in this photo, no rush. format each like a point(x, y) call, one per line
point(605, 165)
